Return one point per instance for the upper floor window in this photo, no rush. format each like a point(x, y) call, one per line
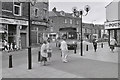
point(77, 22)
point(17, 11)
point(44, 11)
point(65, 20)
point(70, 21)
point(36, 12)
point(85, 30)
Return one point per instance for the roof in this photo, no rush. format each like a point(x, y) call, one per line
point(112, 2)
point(60, 13)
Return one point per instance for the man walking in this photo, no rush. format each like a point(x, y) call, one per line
point(95, 44)
point(64, 50)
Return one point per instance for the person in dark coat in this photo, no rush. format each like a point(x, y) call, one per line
point(95, 44)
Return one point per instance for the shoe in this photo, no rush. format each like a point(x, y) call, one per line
point(65, 61)
point(44, 64)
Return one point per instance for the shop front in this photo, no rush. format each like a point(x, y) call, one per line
point(37, 32)
point(13, 29)
point(113, 31)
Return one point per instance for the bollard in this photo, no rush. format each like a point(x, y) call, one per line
point(101, 45)
point(39, 56)
point(86, 47)
point(10, 61)
point(75, 50)
point(56, 44)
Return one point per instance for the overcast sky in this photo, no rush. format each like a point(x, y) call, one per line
point(96, 15)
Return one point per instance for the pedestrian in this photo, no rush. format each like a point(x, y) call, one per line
point(5, 45)
point(64, 50)
point(95, 44)
point(44, 53)
point(11, 47)
point(113, 42)
point(49, 48)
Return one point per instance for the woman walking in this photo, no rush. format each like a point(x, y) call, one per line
point(44, 53)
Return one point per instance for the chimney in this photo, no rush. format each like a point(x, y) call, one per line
point(54, 9)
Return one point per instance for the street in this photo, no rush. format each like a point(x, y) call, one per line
point(100, 64)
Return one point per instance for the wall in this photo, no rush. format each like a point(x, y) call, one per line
point(112, 11)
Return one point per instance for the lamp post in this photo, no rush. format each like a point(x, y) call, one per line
point(29, 31)
point(80, 14)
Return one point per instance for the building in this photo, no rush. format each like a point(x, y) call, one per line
point(112, 23)
point(39, 18)
point(14, 22)
point(62, 22)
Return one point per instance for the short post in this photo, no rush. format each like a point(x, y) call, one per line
point(74, 50)
point(86, 47)
point(56, 44)
point(39, 56)
point(101, 45)
point(10, 61)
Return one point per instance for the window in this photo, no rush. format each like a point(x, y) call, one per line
point(85, 30)
point(65, 20)
point(44, 11)
point(36, 12)
point(77, 22)
point(70, 21)
point(17, 9)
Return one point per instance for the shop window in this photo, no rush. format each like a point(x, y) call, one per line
point(17, 9)
point(65, 20)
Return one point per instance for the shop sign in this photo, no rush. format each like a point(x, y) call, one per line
point(39, 23)
point(112, 25)
point(13, 21)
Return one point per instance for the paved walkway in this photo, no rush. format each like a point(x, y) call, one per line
point(102, 54)
point(100, 64)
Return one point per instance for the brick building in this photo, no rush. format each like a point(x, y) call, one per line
point(14, 22)
point(39, 17)
point(62, 22)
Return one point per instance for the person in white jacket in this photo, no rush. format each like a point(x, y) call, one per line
point(113, 42)
point(64, 50)
point(44, 53)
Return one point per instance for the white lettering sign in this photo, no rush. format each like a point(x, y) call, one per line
point(112, 25)
point(13, 21)
point(39, 23)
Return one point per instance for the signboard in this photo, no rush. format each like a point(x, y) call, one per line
point(112, 25)
point(39, 23)
point(13, 21)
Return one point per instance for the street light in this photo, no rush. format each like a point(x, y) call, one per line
point(29, 32)
point(80, 14)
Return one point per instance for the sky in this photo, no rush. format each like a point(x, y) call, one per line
point(96, 15)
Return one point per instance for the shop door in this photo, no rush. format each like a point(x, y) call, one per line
point(23, 40)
